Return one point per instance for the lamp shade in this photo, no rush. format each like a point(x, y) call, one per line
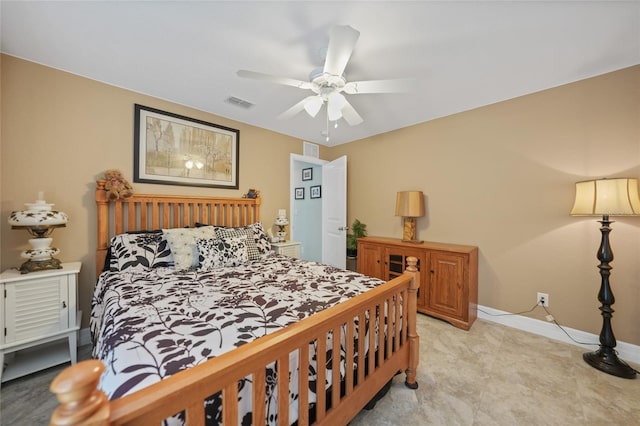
point(615, 197)
point(410, 204)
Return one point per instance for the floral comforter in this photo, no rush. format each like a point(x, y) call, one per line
point(148, 326)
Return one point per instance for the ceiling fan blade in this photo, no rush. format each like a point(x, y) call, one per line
point(350, 114)
point(274, 79)
point(400, 85)
point(342, 40)
point(296, 108)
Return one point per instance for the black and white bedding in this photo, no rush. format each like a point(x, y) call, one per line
point(148, 323)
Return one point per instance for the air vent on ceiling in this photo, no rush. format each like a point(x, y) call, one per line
point(239, 102)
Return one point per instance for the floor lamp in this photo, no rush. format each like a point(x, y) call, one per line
point(607, 197)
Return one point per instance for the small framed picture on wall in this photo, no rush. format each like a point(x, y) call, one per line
point(315, 191)
point(307, 174)
point(299, 194)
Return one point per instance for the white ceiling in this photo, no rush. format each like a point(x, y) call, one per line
point(462, 54)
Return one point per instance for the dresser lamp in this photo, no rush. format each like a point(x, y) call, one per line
point(39, 220)
point(410, 205)
point(607, 197)
point(281, 222)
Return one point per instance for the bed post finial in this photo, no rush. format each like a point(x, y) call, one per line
point(413, 338)
point(81, 402)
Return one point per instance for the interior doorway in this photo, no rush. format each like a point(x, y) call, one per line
point(318, 208)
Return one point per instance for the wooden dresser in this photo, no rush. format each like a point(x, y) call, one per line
point(448, 274)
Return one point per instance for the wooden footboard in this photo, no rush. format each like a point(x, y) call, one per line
point(397, 350)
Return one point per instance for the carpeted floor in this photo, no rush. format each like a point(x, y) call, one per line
point(490, 375)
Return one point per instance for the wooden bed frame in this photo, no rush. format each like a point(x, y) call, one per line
point(81, 402)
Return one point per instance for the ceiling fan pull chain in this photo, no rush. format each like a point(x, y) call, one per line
point(327, 131)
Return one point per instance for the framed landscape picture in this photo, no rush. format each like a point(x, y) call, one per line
point(172, 149)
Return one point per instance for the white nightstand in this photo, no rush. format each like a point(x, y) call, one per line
point(287, 248)
point(38, 309)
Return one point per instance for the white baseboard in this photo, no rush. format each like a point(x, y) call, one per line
point(626, 351)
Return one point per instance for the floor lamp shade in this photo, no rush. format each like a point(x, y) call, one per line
point(605, 197)
point(409, 205)
point(615, 197)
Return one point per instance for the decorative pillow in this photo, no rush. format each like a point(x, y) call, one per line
point(182, 242)
point(219, 252)
point(247, 233)
point(138, 252)
point(262, 242)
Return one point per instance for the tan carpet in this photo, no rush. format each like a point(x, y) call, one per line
point(490, 375)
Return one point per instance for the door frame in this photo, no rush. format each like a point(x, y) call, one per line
point(293, 158)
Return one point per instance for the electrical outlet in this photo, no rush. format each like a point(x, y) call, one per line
point(543, 299)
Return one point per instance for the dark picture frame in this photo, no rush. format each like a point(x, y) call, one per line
point(307, 174)
point(315, 191)
point(172, 149)
point(299, 194)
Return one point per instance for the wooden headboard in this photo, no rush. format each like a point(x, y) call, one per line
point(143, 212)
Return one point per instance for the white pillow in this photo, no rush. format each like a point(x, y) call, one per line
point(182, 242)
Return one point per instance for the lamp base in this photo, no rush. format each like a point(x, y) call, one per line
point(605, 359)
point(409, 230)
point(40, 265)
point(413, 241)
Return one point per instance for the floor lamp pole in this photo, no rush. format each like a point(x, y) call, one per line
point(605, 359)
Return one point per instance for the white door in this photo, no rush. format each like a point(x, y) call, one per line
point(334, 212)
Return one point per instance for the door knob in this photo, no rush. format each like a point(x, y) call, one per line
point(343, 228)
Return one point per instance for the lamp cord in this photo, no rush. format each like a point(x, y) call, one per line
point(547, 311)
point(554, 321)
point(581, 343)
point(565, 331)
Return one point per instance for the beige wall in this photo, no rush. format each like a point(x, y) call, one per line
point(499, 177)
point(61, 132)
point(502, 177)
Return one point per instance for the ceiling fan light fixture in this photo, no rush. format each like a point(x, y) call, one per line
point(337, 100)
point(329, 84)
point(313, 105)
point(333, 112)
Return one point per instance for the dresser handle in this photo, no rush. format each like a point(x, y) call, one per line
point(64, 305)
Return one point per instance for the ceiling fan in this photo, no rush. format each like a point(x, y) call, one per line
point(328, 82)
